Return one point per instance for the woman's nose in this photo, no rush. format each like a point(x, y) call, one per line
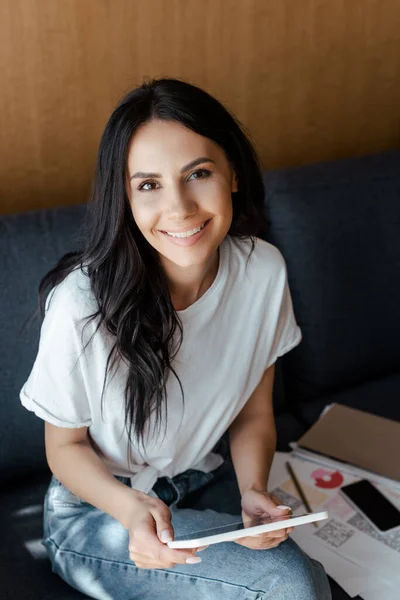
point(181, 205)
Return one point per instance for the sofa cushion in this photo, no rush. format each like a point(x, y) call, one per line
point(337, 225)
point(379, 397)
point(30, 244)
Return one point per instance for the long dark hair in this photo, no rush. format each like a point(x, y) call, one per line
point(126, 276)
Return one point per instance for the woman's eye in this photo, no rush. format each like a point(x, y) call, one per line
point(144, 189)
point(200, 174)
point(204, 173)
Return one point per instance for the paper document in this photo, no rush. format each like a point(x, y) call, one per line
point(356, 472)
point(349, 576)
point(373, 556)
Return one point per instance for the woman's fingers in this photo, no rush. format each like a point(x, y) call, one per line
point(144, 540)
point(159, 552)
point(142, 561)
point(279, 533)
point(258, 545)
point(271, 535)
point(279, 503)
point(162, 517)
point(264, 541)
point(150, 529)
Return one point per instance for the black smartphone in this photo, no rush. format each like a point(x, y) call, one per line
point(374, 505)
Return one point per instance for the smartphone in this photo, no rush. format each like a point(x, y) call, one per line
point(234, 531)
point(374, 505)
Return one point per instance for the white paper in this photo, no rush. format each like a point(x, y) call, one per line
point(382, 592)
point(347, 533)
point(348, 575)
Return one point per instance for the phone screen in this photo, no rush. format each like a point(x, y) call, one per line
point(378, 509)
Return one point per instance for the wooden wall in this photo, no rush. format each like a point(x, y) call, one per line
point(311, 79)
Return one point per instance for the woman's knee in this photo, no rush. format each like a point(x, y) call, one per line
point(297, 576)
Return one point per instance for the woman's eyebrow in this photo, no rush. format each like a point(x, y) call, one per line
point(193, 163)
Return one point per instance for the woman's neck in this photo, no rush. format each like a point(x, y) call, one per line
point(188, 284)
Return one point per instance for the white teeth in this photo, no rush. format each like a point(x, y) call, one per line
point(185, 234)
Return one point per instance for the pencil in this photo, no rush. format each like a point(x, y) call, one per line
point(299, 489)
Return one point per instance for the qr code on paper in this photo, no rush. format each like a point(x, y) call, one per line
point(391, 538)
point(335, 533)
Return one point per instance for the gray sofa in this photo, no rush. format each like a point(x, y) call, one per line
point(338, 227)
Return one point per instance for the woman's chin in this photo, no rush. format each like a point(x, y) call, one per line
point(185, 262)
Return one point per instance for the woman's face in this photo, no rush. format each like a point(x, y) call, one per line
point(179, 187)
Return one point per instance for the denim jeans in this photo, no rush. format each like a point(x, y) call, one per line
point(89, 549)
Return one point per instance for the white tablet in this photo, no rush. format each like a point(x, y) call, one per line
point(234, 531)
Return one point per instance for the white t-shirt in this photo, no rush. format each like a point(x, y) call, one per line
point(231, 335)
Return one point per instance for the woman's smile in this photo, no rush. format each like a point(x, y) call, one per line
point(187, 237)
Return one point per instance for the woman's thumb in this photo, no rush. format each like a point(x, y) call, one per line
point(279, 508)
point(165, 531)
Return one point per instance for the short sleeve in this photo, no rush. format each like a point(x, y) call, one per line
point(55, 390)
point(286, 333)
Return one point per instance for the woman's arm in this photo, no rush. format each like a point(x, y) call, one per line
point(252, 437)
point(252, 441)
point(73, 461)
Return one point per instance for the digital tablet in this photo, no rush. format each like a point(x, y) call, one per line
point(234, 531)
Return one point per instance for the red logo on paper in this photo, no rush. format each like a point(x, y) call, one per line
point(327, 479)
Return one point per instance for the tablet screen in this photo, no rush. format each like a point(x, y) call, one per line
point(233, 527)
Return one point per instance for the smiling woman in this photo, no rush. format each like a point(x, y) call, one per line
point(181, 206)
point(159, 337)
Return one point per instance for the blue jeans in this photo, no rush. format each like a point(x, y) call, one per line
point(89, 549)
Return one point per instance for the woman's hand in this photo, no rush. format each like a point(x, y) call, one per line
point(258, 504)
point(149, 526)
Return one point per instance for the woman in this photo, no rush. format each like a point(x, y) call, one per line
point(159, 337)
